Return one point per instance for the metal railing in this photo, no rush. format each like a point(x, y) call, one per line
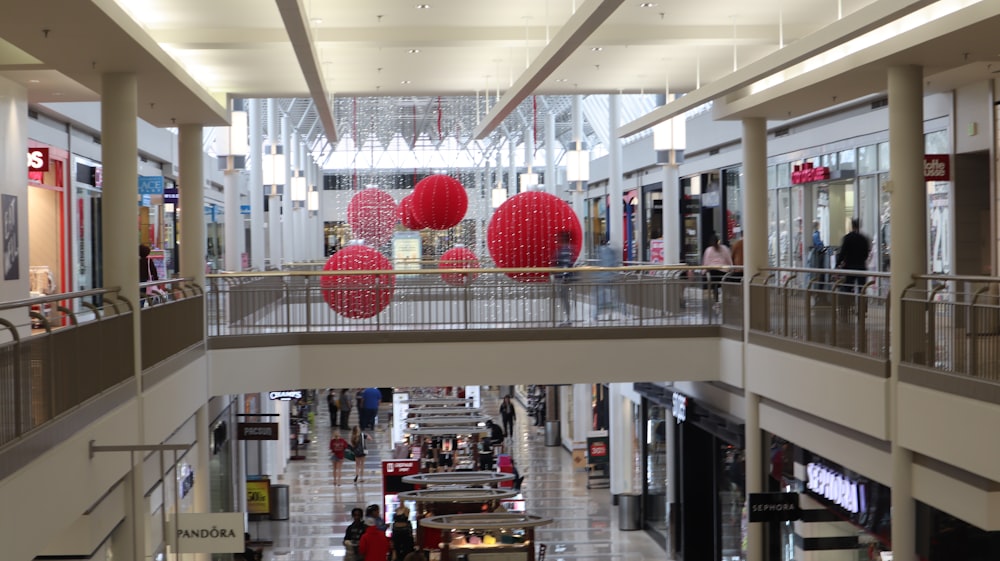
point(173, 318)
point(300, 301)
point(952, 324)
point(839, 308)
point(43, 342)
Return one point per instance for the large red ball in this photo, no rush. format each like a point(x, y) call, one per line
point(439, 202)
point(358, 296)
point(406, 215)
point(372, 215)
point(525, 230)
point(458, 258)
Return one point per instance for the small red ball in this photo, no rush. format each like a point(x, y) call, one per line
point(458, 258)
point(439, 202)
point(372, 216)
point(358, 296)
point(406, 215)
point(525, 230)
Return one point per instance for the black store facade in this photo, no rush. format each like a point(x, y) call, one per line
point(709, 520)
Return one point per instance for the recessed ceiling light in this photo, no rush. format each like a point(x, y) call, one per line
point(316, 21)
point(33, 81)
point(648, 5)
point(562, 80)
point(597, 49)
point(413, 51)
point(423, 6)
point(57, 94)
point(404, 82)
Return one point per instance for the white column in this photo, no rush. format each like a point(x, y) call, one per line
point(274, 139)
point(529, 152)
point(551, 177)
point(671, 214)
point(621, 434)
point(616, 230)
point(231, 181)
point(302, 252)
point(119, 217)
point(192, 202)
point(907, 200)
point(256, 187)
point(287, 234)
point(582, 413)
point(754, 256)
point(576, 112)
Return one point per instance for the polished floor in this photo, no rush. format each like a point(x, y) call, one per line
point(585, 526)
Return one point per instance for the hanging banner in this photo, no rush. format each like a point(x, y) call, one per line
point(150, 184)
point(218, 532)
point(774, 507)
point(257, 431)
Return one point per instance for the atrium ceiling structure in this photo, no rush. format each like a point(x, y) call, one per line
point(472, 69)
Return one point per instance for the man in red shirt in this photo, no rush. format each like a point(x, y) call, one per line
point(374, 546)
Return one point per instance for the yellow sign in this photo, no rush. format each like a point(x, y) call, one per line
point(259, 496)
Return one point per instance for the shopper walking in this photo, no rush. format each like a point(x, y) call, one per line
point(338, 449)
point(563, 258)
point(374, 546)
point(370, 398)
point(332, 405)
point(507, 416)
point(345, 410)
point(360, 451)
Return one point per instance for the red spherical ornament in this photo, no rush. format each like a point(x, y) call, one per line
point(439, 202)
point(458, 257)
point(525, 230)
point(406, 215)
point(358, 296)
point(372, 215)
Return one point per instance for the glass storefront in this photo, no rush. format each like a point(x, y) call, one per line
point(657, 419)
point(46, 249)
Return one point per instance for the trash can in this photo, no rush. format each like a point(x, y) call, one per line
point(279, 502)
point(552, 437)
point(628, 512)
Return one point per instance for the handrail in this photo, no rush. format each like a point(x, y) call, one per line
point(12, 304)
point(478, 271)
point(961, 278)
point(867, 273)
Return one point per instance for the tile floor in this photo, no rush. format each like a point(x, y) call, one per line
point(585, 526)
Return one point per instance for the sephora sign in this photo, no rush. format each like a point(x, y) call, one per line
point(835, 487)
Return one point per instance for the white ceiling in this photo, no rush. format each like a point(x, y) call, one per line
point(191, 55)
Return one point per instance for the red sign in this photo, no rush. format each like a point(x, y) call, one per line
point(38, 159)
point(400, 467)
point(598, 448)
point(806, 172)
point(937, 167)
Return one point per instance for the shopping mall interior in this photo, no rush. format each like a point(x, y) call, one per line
point(734, 263)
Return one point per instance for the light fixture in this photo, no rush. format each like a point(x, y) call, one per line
point(313, 203)
point(272, 167)
point(670, 134)
point(316, 21)
point(578, 165)
point(404, 82)
point(562, 79)
point(648, 5)
point(33, 81)
point(423, 6)
point(233, 139)
point(597, 49)
point(528, 180)
point(498, 195)
point(413, 51)
point(299, 189)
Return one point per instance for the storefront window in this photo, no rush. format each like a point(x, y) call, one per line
point(772, 229)
point(734, 203)
point(867, 159)
point(845, 160)
point(214, 230)
point(734, 521)
point(784, 228)
point(883, 156)
point(655, 475)
point(772, 176)
point(783, 175)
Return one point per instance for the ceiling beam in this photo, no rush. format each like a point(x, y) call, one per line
point(849, 27)
point(297, 26)
point(578, 28)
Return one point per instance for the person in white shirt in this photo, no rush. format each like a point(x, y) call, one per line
point(716, 255)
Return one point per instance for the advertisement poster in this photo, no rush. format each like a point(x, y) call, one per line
point(406, 250)
point(258, 496)
point(11, 253)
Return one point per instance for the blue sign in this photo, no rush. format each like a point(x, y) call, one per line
point(244, 209)
point(145, 200)
point(170, 195)
point(150, 184)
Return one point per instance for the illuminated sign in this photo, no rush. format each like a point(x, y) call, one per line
point(38, 159)
point(835, 487)
point(805, 173)
point(680, 407)
point(286, 395)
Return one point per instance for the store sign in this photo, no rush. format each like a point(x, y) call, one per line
point(680, 407)
point(286, 395)
point(150, 184)
point(219, 532)
point(774, 507)
point(400, 467)
point(597, 447)
point(38, 159)
point(257, 431)
point(834, 487)
point(806, 172)
point(937, 167)
point(259, 496)
point(171, 195)
point(244, 209)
